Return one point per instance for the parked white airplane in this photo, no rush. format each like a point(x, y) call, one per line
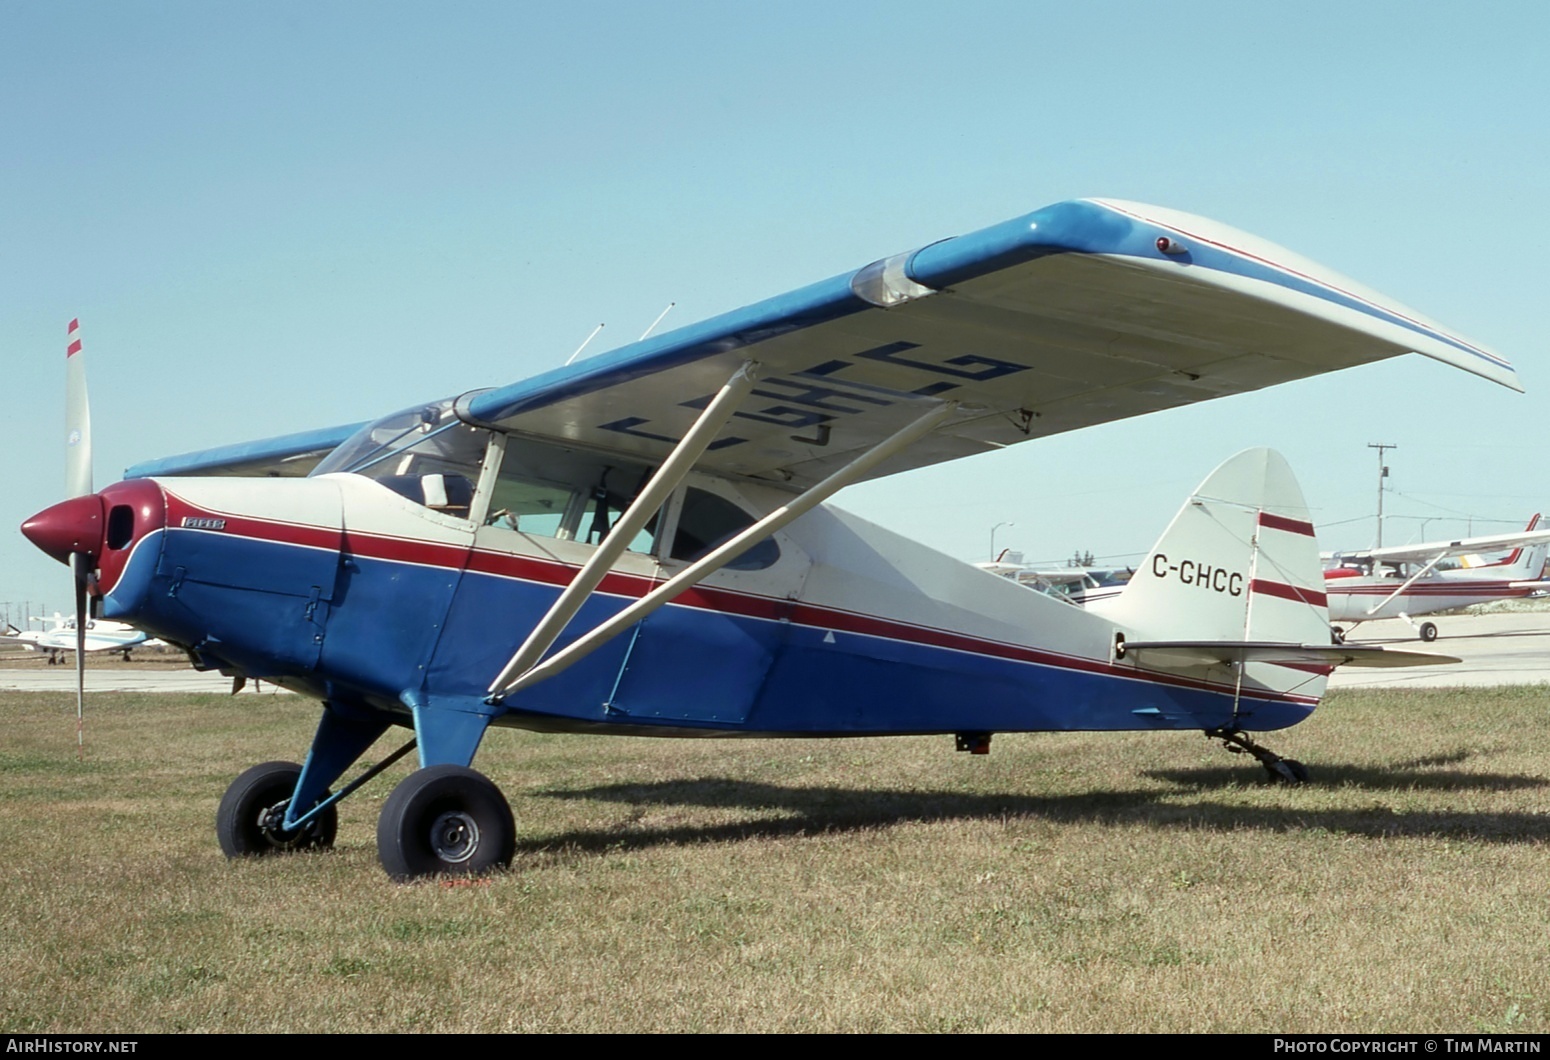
point(60, 637)
point(1408, 580)
point(1075, 585)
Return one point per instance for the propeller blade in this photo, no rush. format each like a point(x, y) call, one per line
point(78, 478)
point(80, 566)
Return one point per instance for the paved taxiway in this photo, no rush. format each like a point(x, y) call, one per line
point(1497, 649)
point(107, 679)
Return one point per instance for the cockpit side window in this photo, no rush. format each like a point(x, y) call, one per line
point(546, 491)
point(535, 508)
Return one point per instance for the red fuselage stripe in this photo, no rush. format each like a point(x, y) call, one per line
point(553, 572)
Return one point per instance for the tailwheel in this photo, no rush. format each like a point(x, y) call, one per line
point(445, 819)
point(249, 820)
point(1287, 771)
point(1281, 770)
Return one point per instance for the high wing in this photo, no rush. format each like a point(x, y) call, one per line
point(1077, 314)
point(1438, 550)
point(1057, 577)
point(288, 456)
point(1022, 572)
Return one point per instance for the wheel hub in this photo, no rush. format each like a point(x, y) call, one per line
point(455, 837)
point(272, 822)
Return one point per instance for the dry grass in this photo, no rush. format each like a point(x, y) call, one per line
point(1065, 883)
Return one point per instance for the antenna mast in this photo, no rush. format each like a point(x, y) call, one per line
point(584, 345)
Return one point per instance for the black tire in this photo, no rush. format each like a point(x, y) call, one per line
point(1286, 771)
point(247, 822)
point(1336, 635)
point(445, 820)
point(1428, 632)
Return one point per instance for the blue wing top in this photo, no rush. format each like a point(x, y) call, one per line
point(290, 455)
point(1077, 314)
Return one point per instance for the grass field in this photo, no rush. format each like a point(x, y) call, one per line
point(1084, 882)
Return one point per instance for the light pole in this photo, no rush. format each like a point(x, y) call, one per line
point(993, 530)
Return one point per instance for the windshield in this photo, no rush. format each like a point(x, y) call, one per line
point(423, 453)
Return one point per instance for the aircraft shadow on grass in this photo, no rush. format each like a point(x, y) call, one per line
point(818, 810)
point(1418, 774)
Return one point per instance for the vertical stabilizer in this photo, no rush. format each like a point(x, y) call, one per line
point(1527, 561)
point(1238, 563)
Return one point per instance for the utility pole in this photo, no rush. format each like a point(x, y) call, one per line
point(1383, 473)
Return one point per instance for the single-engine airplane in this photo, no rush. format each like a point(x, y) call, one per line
point(638, 544)
point(1403, 581)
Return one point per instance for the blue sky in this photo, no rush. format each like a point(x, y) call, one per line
point(290, 215)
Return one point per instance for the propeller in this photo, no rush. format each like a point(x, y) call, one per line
point(72, 530)
point(78, 483)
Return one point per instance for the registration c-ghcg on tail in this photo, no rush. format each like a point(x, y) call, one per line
point(638, 543)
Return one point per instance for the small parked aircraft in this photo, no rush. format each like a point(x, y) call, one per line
point(59, 637)
point(1408, 580)
point(1075, 585)
point(637, 543)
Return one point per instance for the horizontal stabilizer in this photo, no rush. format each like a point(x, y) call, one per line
point(1186, 654)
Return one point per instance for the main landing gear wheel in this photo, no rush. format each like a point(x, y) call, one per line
point(1336, 635)
point(1428, 632)
point(445, 819)
point(248, 820)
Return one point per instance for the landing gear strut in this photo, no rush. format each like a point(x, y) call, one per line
point(1281, 770)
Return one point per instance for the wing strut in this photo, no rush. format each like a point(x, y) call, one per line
point(719, 557)
point(1375, 608)
point(666, 479)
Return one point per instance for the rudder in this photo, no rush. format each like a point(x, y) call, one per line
point(1239, 562)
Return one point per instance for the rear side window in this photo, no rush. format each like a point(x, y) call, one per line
point(707, 520)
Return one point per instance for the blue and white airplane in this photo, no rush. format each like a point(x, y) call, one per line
point(638, 543)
